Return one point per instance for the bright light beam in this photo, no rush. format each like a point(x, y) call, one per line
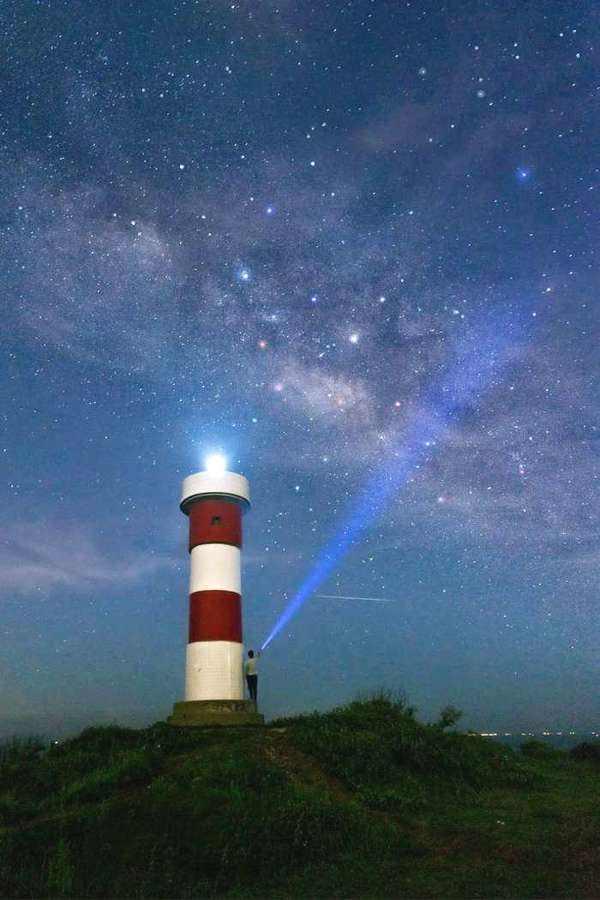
point(476, 366)
point(215, 463)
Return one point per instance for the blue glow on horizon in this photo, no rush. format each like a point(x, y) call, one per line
point(479, 357)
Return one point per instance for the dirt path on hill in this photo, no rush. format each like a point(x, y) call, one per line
point(301, 768)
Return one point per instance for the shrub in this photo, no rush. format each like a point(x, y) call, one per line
point(380, 741)
point(131, 767)
point(24, 771)
point(60, 870)
point(295, 827)
point(349, 755)
point(586, 752)
point(376, 708)
point(539, 749)
point(100, 740)
point(449, 717)
point(14, 809)
point(21, 750)
point(410, 795)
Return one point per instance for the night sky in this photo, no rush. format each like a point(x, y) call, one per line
point(279, 231)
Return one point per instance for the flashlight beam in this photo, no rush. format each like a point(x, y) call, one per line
point(476, 365)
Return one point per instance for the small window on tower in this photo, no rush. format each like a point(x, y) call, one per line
point(216, 520)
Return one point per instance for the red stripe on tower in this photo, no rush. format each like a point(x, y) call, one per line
point(215, 616)
point(215, 522)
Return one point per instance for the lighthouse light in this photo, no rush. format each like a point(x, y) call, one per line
point(215, 463)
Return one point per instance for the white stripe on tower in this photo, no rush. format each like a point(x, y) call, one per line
point(215, 567)
point(213, 670)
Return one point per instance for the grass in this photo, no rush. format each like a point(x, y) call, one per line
point(378, 743)
point(363, 801)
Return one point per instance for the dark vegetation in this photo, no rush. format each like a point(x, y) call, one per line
point(363, 801)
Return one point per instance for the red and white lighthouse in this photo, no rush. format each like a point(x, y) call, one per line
point(214, 501)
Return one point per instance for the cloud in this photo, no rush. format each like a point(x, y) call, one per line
point(101, 290)
point(48, 555)
point(129, 298)
point(517, 470)
point(410, 125)
point(323, 393)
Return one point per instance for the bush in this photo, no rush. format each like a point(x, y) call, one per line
point(100, 740)
point(539, 750)
point(292, 828)
point(60, 870)
point(410, 795)
point(586, 752)
point(379, 741)
point(131, 767)
point(24, 771)
point(15, 809)
point(21, 750)
point(449, 717)
point(376, 708)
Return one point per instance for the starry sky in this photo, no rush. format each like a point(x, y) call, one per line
point(276, 230)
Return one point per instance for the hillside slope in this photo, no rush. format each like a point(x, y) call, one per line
point(363, 801)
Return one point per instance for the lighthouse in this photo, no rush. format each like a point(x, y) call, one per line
point(215, 501)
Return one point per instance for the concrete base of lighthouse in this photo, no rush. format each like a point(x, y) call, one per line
point(215, 712)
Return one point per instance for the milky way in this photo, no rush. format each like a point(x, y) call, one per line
point(269, 232)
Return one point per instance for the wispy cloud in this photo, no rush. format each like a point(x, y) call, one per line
point(49, 555)
point(320, 392)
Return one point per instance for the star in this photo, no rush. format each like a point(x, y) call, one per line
point(524, 173)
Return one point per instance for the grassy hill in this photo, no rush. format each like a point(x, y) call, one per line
point(363, 801)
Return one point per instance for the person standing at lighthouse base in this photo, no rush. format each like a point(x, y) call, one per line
point(251, 675)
